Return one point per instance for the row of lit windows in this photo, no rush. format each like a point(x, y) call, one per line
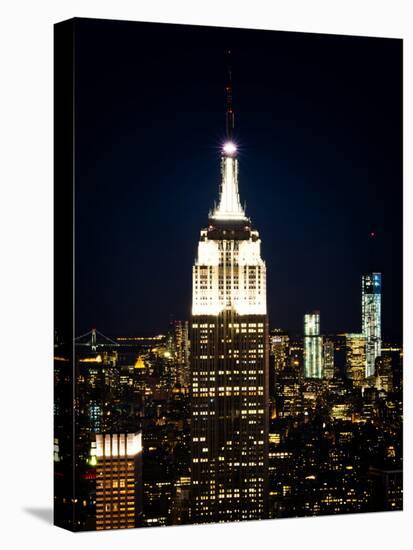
point(114, 488)
point(226, 388)
point(212, 374)
point(251, 361)
point(246, 402)
point(210, 383)
point(201, 404)
point(115, 519)
point(115, 466)
point(204, 326)
point(221, 392)
point(252, 411)
point(113, 507)
point(255, 352)
point(211, 392)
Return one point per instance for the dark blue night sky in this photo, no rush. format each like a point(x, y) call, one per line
point(319, 126)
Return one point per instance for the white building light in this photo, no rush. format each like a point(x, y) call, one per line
point(118, 445)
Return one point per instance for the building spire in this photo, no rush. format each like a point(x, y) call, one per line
point(229, 207)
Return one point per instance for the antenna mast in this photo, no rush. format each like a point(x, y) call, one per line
point(228, 90)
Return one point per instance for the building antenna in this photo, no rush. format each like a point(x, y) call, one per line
point(228, 92)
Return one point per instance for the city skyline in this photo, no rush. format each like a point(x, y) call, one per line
point(232, 413)
point(309, 201)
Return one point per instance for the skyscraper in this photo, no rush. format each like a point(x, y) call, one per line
point(181, 351)
point(384, 374)
point(356, 359)
point(118, 480)
point(229, 361)
point(328, 358)
point(371, 318)
point(313, 346)
point(280, 348)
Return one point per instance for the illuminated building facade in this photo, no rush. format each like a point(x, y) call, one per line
point(356, 358)
point(280, 349)
point(313, 346)
point(371, 318)
point(181, 334)
point(118, 480)
point(229, 354)
point(395, 354)
point(328, 358)
point(181, 349)
point(384, 374)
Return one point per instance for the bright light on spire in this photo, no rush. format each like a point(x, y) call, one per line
point(229, 148)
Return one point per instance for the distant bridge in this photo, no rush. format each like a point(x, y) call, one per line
point(95, 339)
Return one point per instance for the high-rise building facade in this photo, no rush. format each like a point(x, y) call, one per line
point(280, 349)
point(384, 374)
point(118, 480)
point(356, 358)
point(229, 363)
point(328, 358)
point(313, 346)
point(371, 318)
point(181, 351)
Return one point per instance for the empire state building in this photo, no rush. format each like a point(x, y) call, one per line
point(229, 360)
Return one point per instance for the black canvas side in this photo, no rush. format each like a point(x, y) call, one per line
point(64, 436)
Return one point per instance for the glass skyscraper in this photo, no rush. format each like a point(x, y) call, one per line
point(371, 318)
point(313, 346)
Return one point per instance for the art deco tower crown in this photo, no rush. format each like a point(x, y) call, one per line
point(229, 273)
